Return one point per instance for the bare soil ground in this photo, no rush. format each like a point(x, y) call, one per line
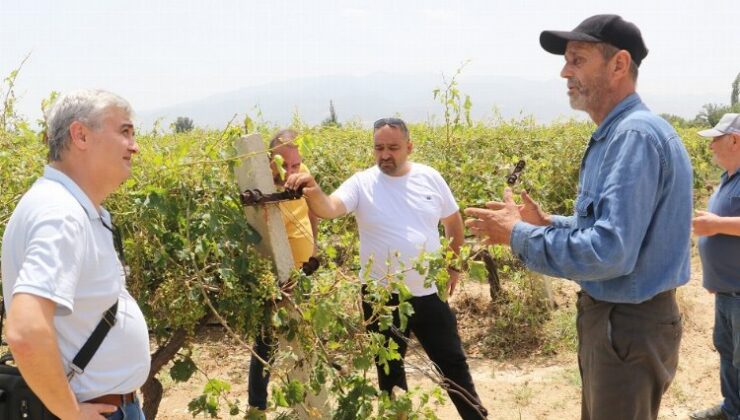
point(534, 387)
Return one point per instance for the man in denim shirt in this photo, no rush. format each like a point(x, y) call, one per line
point(627, 245)
point(719, 248)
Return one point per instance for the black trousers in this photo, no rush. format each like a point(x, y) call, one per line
point(627, 354)
point(435, 326)
point(265, 346)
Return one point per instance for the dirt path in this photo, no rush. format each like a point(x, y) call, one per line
point(531, 388)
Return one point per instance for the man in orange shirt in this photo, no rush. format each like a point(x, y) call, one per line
point(301, 225)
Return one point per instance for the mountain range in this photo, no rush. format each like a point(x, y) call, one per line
point(369, 97)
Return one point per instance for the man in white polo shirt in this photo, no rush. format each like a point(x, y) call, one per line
point(398, 206)
point(61, 272)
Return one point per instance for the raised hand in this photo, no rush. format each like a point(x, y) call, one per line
point(495, 224)
point(531, 212)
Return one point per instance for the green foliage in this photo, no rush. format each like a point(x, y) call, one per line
point(519, 316)
point(455, 107)
point(183, 369)
point(207, 403)
point(10, 121)
point(191, 252)
point(678, 121)
point(279, 165)
point(290, 394)
point(735, 95)
point(560, 332)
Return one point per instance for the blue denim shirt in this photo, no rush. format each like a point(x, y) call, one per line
point(629, 238)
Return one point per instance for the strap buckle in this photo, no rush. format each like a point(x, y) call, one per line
point(110, 318)
point(76, 370)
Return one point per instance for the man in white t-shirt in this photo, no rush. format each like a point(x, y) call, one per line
point(398, 206)
point(61, 272)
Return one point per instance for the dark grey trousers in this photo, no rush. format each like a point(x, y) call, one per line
point(627, 354)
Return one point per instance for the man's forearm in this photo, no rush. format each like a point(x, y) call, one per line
point(728, 226)
point(33, 342)
point(43, 372)
point(324, 206)
point(454, 231)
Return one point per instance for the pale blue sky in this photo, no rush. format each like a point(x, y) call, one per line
point(158, 53)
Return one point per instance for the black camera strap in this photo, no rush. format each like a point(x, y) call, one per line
point(86, 353)
point(93, 343)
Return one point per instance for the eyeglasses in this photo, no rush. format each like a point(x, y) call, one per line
point(392, 121)
point(514, 176)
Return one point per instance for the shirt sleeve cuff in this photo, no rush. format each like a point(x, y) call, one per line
point(519, 236)
point(64, 306)
point(344, 199)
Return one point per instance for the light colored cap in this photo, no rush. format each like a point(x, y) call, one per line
point(730, 123)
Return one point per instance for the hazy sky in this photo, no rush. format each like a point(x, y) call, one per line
point(158, 53)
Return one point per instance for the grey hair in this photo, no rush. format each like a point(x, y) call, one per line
point(86, 106)
point(608, 51)
point(280, 138)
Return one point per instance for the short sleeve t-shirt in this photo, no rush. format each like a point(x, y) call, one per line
point(720, 253)
point(398, 218)
point(298, 227)
point(56, 246)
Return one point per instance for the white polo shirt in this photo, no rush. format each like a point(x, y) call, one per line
point(398, 218)
point(55, 246)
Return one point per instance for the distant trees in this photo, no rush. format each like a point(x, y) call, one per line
point(676, 120)
point(183, 125)
point(332, 120)
point(711, 113)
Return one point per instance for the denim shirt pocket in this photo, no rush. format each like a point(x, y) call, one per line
point(584, 211)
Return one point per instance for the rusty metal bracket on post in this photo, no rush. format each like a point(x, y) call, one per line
point(256, 197)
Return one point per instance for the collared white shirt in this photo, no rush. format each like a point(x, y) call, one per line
point(56, 246)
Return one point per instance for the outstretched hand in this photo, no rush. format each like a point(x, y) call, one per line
point(531, 212)
point(494, 224)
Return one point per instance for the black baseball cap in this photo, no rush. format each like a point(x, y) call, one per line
point(611, 29)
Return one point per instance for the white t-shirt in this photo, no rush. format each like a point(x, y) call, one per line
point(397, 217)
point(55, 246)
